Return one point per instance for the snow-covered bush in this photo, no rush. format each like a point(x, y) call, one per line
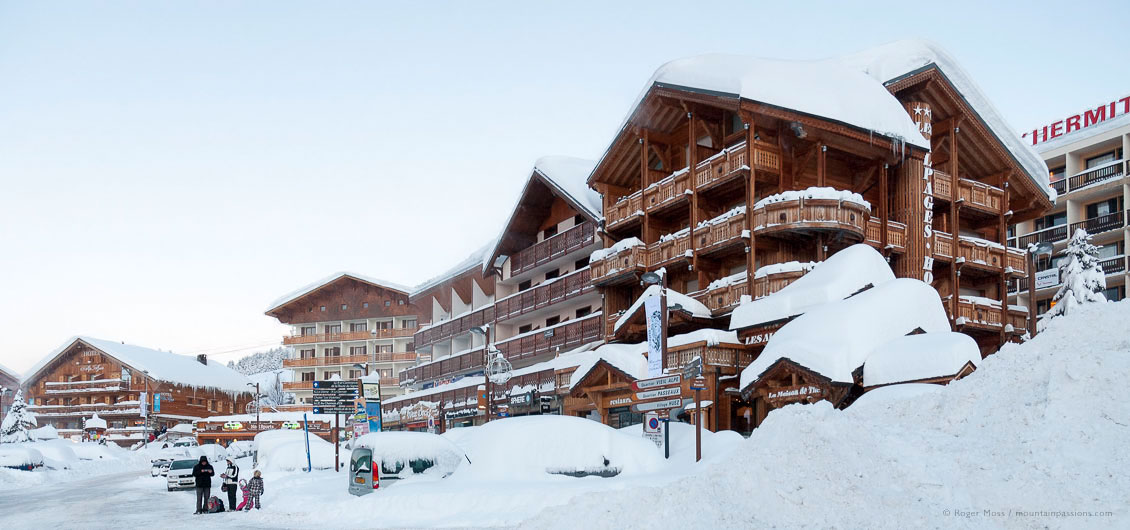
point(1083, 278)
point(19, 422)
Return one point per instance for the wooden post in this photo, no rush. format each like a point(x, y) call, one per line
point(698, 424)
point(1031, 293)
point(1002, 235)
point(692, 162)
point(884, 214)
point(955, 226)
point(822, 166)
point(645, 229)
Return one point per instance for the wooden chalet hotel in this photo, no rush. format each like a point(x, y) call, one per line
point(88, 376)
point(735, 176)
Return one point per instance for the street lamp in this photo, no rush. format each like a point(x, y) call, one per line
point(484, 331)
point(258, 426)
point(1043, 248)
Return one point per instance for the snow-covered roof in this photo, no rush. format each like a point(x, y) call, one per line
point(890, 62)
point(836, 278)
point(918, 357)
point(472, 261)
point(162, 366)
point(690, 305)
point(568, 177)
point(9, 372)
point(632, 360)
point(185, 428)
point(94, 422)
point(309, 288)
point(837, 337)
point(825, 88)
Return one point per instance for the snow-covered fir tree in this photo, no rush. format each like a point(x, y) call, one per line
point(263, 361)
point(1083, 278)
point(19, 422)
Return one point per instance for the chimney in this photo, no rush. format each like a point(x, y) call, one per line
point(202, 359)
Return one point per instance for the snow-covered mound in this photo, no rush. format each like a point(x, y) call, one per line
point(285, 450)
point(1042, 426)
point(531, 446)
point(403, 447)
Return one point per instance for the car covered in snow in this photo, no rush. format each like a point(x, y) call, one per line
point(22, 458)
point(185, 442)
point(179, 475)
point(233, 426)
point(160, 467)
point(384, 457)
point(293, 425)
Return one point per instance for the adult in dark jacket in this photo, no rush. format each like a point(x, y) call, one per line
point(203, 472)
point(231, 482)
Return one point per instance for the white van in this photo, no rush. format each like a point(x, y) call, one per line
point(390, 456)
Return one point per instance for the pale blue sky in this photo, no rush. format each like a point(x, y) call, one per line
point(168, 169)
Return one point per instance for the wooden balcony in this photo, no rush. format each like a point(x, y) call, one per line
point(445, 330)
point(811, 215)
point(980, 254)
point(734, 160)
point(1016, 262)
point(574, 285)
point(562, 337)
point(86, 410)
point(667, 192)
point(571, 240)
point(1100, 224)
point(616, 267)
point(623, 210)
point(720, 234)
point(722, 355)
point(989, 199)
point(665, 252)
point(398, 357)
point(988, 316)
point(330, 360)
point(1091, 176)
point(896, 234)
point(385, 333)
point(466, 361)
point(770, 283)
point(722, 300)
point(291, 386)
point(1050, 234)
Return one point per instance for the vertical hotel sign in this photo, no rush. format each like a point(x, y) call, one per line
point(922, 114)
point(654, 314)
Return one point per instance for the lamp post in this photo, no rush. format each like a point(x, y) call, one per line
point(258, 426)
point(3, 392)
point(651, 278)
point(1041, 249)
point(145, 410)
point(484, 332)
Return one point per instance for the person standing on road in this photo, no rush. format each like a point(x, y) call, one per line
point(203, 472)
point(231, 482)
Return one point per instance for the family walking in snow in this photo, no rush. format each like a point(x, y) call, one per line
point(205, 503)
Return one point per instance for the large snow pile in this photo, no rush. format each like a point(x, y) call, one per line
point(836, 338)
point(836, 278)
point(531, 446)
point(1037, 436)
point(285, 450)
point(917, 357)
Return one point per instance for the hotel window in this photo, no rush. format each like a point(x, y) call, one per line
point(359, 326)
point(344, 307)
point(385, 348)
point(1058, 173)
point(549, 232)
point(1115, 293)
point(327, 375)
point(357, 350)
point(552, 321)
point(354, 374)
point(581, 263)
point(308, 376)
point(386, 372)
point(1049, 221)
point(522, 286)
point(525, 329)
point(323, 309)
point(1104, 158)
point(333, 329)
point(549, 275)
point(309, 330)
point(408, 323)
point(332, 352)
point(388, 303)
point(584, 311)
point(306, 354)
point(1106, 207)
point(578, 219)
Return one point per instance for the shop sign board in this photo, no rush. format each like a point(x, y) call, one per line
point(698, 383)
point(657, 405)
point(790, 394)
point(658, 393)
point(1048, 278)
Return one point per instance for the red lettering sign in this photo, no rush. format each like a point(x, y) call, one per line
point(1079, 122)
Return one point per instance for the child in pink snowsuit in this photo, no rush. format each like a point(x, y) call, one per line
point(246, 497)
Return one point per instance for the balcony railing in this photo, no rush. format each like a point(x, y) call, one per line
point(1109, 171)
point(551, 292)
point(896, 234)
point(335, 360)
point(562, 336)
point(980, 253)
point(624, 209)
point(86, 410)
point(385, 333)
point(1113, 265)
point(811, 214)
point(452, 365)
point(298, 385)
point(973, 193)
point(711, 356)
point(667, 191)
point(722, 165)
point(720, 232)
point(671, 248)
point(633, 259)
point(1102, 223)
point(724, 298)
point(1060, 187)
point(988, 315)
point(1050, 234)
point(554, 247)
point(445, 330)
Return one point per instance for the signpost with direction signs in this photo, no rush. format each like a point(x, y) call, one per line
point(335, 397)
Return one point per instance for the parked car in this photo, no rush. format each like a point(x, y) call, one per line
point(185, 442)
point(160, 467)
point(291, 425)
point(179, 476)
point(390, 456)
point(22, 458)
point(233, 426)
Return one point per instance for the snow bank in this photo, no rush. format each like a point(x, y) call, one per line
point(836, 338)
point(404, 447)
point(916, 357)
point(836, 278)
point(531, 446)
point(621, 245)
point(19, 456)
point(285, 450)
point(1040, 426)
point(46, 432)
point(814, 193)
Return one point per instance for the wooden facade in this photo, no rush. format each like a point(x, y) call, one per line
point(83, 380)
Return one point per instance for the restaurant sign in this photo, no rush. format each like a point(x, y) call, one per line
point(791, 394)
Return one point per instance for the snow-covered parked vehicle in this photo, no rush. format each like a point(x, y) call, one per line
point(179, 476)
point(19, 457)
point(291, 425)
point(159, 467)
point(241, 448)
point(533, 446)
point(388, 456)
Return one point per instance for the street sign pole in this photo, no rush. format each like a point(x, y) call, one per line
point(697, 425)
point(305, 427)
point(667, 437)
point(337, 439)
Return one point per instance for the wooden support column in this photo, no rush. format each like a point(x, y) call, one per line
point(645, 228)
point(822, 165)
point(750, 193)
point(1002, 236)
point(955, 225)
point(884, 214)
point(692, 161)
